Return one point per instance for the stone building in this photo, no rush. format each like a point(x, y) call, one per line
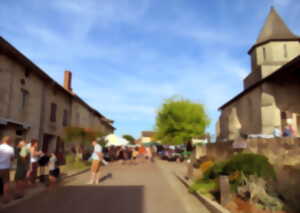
point(147, 136)
point(271, 96)
point(33, 105)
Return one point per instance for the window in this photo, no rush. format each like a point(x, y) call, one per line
point(24, 98)
point(285, 51)
point(19, 132)
point(264, 53)
point(283, 115)
point(65, 118)
point(27, 72)
point(298, 124)
point(53, 112)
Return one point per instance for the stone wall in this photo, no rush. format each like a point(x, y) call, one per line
point(15, 79)
point(29, 117)
point(280, 152)
point(267, 58)
point(260, 110)
point(283, 153)
point(243, 115)
point(63, 102)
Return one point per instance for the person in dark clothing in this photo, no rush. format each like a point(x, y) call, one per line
point(43, 162)
point(189, 146)
point(191, 160)
point(23, 162)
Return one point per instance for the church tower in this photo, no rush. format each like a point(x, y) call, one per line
point(275, 46)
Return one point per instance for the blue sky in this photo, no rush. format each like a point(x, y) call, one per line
point(127, 56)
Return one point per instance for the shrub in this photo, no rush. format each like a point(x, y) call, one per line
point(250, 164)
point(206, 165)
point(70, 158)
point(73, 164)
point(215, 171)
point(204, 186)
point(247, 163)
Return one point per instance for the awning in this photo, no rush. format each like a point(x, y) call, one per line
point(5, 121)
point(114, 140)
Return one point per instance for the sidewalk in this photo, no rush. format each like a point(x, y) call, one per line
point(180, 171)
point(39, 187)
point(171, 170)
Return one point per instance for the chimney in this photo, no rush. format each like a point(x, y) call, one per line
point(68, 81)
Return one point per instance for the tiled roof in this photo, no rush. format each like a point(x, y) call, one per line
point(148, 134)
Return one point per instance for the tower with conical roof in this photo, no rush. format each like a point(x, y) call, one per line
point(275, 46)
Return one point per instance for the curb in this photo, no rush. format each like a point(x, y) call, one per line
point(36, 190)
point(69, 176)
point(211, 205)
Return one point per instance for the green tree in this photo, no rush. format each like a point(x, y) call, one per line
point(80, 138)
point(130, 138)
point(83, 136)
point(179, 120)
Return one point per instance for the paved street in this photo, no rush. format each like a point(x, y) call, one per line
point(147, 188)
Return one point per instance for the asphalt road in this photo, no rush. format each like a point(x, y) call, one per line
point(144, 188)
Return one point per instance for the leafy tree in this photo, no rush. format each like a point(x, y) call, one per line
point(179, 120)
point(130, 138)
point(80, 138)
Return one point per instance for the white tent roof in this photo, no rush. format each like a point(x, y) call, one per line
point(113, 140)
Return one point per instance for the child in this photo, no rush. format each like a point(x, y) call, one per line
point(53, 170)
point(134, 155)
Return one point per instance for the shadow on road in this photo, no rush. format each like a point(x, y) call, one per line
point(81, 199)
point(104, 178)
point(76, 174)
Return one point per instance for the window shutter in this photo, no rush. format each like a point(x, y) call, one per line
point(53, 112)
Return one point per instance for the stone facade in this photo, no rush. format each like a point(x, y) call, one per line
point(282, 153)
point(269, 57)
point(147, 136)
point(32, 105)
point(269, 98)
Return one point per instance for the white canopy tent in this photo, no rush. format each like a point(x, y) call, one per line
point(113, 140)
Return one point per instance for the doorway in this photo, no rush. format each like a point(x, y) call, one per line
point(47, 140)
point(298, 125)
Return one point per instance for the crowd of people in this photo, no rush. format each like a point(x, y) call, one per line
point(123, 154)
point(127, 154)
point(28, 160)
point(288, 131)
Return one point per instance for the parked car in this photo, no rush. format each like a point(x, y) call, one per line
point(170, 155)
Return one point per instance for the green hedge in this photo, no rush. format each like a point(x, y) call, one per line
point(248, 163)
point(204, 186)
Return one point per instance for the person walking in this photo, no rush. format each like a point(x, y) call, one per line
point(191, 149)
point(6, 157)
point(142, 154)
point(23, 162)
point(277, 132)
point(134, 156)
point(96, 158)
point(53, 170)
point(34, 158)
point(287, 132)
point(153, 153)
point(148, 153)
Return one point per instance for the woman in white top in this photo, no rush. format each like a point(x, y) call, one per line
point(34, 157)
